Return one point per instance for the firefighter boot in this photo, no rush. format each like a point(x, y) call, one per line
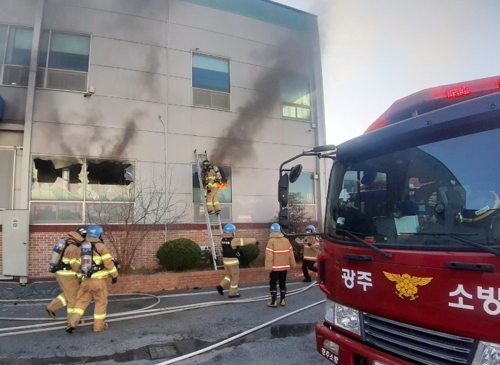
point(220, 289)
point(282, 297)
point(274, 296)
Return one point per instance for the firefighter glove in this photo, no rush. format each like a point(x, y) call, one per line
point(114, 280)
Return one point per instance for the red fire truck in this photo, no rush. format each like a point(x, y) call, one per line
point(411, 260)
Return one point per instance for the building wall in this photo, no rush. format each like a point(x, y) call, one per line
point(259, 53)
point(43, 238)
point(142, 109)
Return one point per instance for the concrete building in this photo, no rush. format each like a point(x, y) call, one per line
point(101, 98)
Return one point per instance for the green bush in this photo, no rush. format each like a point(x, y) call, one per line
point(180, 254)
point(248, 254)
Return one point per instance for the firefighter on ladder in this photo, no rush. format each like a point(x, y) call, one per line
point(94, 284)
point(230, 260)
point(210, 183)
point(66, 277)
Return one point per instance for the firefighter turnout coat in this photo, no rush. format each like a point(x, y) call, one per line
point(212, 189)
point(230, 260)
point(95, 288)
point(279, 253)
point(67, 277)
point(311, 248)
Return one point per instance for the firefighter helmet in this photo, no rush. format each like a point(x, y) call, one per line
point(311, 228)
point(275, 227)
point(229, 228)
point(94, 231)
point(206, 163)
point(82, 231)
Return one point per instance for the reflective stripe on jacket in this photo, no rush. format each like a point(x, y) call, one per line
point(279, 253)
point(229, 245)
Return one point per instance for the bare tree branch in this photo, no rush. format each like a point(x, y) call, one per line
point(128, 222)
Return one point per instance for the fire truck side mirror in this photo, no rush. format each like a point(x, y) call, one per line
point(295, 173)
point(283, 218)
point(283, 190)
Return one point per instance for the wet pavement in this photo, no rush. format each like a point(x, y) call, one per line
point(163, 327)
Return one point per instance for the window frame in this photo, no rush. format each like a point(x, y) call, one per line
point(85, 200)
point(3, 63)
point(45, 69)
point(212, 93)
point(294, 105)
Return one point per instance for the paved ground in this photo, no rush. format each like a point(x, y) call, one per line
point(159, 335)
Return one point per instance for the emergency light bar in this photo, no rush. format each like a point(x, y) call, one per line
point(435, 98)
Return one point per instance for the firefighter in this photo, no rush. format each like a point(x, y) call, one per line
point(279, 258)
point(311, 250)
point(94, 284)
point(230, 260)
point(66, 277)
point(210, 183)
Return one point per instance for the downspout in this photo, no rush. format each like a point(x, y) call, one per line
point(320, 130)
point(165, 131)
point(30, 100)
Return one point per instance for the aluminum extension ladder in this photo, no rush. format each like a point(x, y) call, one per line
point(214, 226)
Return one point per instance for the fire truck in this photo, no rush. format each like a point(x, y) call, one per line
point(411, 258)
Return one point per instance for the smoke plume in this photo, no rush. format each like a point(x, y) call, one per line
point(236, 142)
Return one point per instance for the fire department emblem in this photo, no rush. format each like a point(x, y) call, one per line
point(406, 285)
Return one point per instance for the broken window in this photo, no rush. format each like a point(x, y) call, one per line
point(77, 180)
point(109, 180)
point(57, 178)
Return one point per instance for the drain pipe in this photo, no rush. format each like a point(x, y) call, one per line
point(30, 100)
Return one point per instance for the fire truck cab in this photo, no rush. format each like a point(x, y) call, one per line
point(411, 259)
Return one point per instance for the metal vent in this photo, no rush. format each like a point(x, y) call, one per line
point(220, 101)
point(66, 80)
point(16, 75)
point(416, 343)
point(211, 99)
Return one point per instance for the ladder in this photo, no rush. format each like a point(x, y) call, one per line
point(214, 226)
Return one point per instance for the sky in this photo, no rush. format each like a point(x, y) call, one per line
point(375, 52)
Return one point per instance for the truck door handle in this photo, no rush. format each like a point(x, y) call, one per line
point(358, 257)
point(470, 267)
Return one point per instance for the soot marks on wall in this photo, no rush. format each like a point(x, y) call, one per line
point(237, 141)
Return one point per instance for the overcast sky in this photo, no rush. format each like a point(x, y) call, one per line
point(377, 51)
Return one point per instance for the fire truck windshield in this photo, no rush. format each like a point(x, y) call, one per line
point(422, 197)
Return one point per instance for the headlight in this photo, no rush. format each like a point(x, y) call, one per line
point(487, 353)
point(343, 317)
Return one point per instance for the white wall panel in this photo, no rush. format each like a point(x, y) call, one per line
point(154, 9)
point(129, 55)
point(18, 12)
point(224, 45)
point(128, 84)
point(179, 91)
point(90, 141)
point(73, 108)
point(104, 23)
point(179, 63)
point(239, 26)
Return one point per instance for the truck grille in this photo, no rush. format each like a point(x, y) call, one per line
point(416, 343)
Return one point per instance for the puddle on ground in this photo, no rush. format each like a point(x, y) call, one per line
point(172, 350)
